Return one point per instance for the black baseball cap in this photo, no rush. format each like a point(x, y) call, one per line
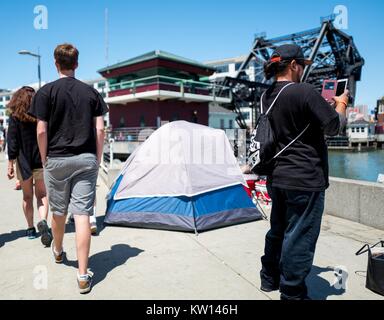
point(289, 52)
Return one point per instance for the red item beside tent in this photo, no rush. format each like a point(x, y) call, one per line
point(251, 186)
point(259, 186)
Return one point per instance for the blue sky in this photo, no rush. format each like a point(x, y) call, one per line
point(197, 29)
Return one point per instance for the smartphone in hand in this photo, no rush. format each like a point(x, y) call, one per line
point(333, 88)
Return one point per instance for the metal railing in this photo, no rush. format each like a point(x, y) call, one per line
point(131, 134)
point(337, 141)
point(179, 85)
point(107, 159)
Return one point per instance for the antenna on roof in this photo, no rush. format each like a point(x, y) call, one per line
point(106, 37)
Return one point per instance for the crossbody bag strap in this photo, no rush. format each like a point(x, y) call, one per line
point(289, 144)
point(274, 101)
point(269, 109)
point(361, 251)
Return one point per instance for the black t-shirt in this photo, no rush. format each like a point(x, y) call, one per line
point(304, 165)
point(69, 107)
point(22, 145)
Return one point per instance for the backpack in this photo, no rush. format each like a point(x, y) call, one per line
point(263, 143)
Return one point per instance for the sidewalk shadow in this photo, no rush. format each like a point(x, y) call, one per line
point(12, 236)
point(318, 287)
point(104, 262)
point(100, 224)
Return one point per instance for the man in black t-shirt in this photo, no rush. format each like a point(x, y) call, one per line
point(70, 134)
point(300, 173)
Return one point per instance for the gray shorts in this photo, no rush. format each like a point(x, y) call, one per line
point(71, 184)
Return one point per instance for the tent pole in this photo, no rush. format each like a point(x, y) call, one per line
point(194, 219)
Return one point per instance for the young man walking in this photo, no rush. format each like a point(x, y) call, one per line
point(70, 133)
point(300, 174)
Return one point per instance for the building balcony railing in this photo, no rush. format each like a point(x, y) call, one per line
point(337, 141)
point(131, 134)
point(164, 83)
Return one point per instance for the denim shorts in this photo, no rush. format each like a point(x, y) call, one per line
point(71, 184)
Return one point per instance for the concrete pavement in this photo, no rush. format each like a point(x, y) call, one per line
point(140, 264)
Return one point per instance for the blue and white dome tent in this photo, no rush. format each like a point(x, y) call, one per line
point(183, 177)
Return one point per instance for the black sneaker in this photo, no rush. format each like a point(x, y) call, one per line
point(31, 233)
point(268, 283)
point(71, 219)
point(46, 236)
point(268, 288)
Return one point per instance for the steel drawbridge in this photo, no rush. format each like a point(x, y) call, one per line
point(333, 52)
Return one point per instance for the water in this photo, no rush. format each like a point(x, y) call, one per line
point(356, 165)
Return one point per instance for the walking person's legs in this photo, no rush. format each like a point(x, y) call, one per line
point(42, 199)
point(270, 272)
point(58, 230)
point(83, 195)
point(71, 185)
point(27, 188)
point(304, 213)
point(57, 181)
point(42, 205)
point(83, 242)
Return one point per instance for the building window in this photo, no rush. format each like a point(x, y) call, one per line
point(101, 84)
point(231, 124)
point(238, 65)
point(222, 68)
point(222, 123)
point(362, 129)
point(246, 115)
point(7, 98)
point(357, 129)
point(353, 130)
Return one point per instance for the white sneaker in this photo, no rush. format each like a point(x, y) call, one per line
point(93, 228)
point(85, 282)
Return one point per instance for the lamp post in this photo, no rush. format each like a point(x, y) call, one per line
point(38, 56)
